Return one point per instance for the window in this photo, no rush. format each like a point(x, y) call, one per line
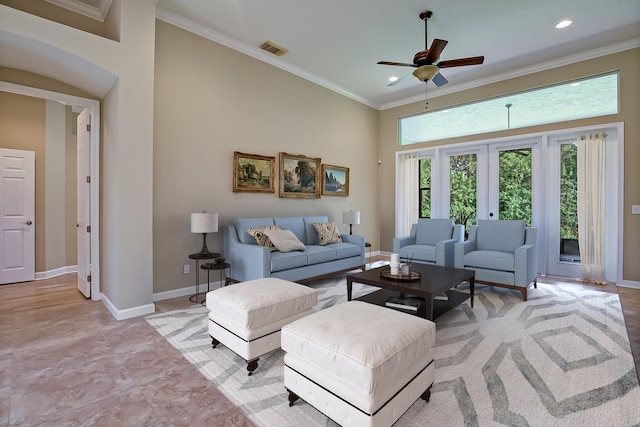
point(591, 97)
point(424, 188)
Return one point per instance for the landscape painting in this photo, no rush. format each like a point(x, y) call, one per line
point(299, 176)
point(335, 180)
point(253, 173)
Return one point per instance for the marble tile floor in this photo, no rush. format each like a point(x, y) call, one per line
point(65, 361)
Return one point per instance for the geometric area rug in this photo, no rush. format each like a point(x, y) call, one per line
point(560, 359)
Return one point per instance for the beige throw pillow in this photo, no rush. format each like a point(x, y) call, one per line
point(327, 233)
point(285, 240)
point(261, 238)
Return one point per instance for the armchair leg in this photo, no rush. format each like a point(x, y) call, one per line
point(524, 293)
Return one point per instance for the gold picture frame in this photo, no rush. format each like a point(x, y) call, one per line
point(299, 176)
point(335, 180)
point(253, 173)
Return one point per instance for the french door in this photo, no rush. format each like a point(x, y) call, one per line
point(491, 181)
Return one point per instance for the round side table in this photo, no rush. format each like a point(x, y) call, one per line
point(198, 257)
point(222, 266)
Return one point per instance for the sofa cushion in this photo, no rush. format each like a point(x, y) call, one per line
point(284, 240)
point(295, 224)
point(261, 238)
point(281, 261)
point(327, 233)
point(500, 235)
point(312, 233)
point(492, 260)
point(418, 253)
point(345, 250)
point(243, 224)
point(317, 254)
point(430, 231)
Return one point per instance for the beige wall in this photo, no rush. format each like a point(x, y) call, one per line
point(211, 101)
point(34, 124)
point(628, 63)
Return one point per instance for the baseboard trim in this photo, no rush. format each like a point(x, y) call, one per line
point(41, 275)
point(629, 284)
point(127, 313)
point(189, 290)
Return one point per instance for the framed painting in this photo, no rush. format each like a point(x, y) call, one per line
point(299, 176)
point(335, 180)
point(253, 173)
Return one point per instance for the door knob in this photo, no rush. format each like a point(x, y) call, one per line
point(28, 222)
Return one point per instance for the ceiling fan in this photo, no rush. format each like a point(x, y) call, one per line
point(427, 62)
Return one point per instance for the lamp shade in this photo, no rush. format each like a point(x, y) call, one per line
point(351, 217)
point(204, 222)
point(426, 72)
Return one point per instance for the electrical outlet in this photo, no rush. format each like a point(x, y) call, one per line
point(635, 209)
point(186, 269)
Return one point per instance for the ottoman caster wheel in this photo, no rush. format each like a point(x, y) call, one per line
point(214, 342)
point(426, 395)
point(252, 365)
point(292, 397)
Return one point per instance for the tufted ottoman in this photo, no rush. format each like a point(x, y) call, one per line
point(247, 317)
point(358, 363)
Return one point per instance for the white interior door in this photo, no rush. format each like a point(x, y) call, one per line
point(83, 223)
point(17, 215)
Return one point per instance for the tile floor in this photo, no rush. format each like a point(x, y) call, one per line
point(66, 361)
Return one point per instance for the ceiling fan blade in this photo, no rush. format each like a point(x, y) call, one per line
point(402, 64)
point(474, 60)
point(437, 46)
point(439, 80)
point(399, 79)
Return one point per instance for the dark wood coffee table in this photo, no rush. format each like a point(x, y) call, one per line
point(435, 280)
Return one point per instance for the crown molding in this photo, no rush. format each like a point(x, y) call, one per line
point(98, 12)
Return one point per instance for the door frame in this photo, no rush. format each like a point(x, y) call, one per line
point(94, 109)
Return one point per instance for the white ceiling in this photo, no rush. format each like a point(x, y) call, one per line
point(337, 43)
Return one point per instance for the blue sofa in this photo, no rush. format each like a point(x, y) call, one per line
point(250, 261)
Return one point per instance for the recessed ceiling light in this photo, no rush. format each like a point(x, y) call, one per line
point(574, 84)
point(564, 23)
point(393, 78)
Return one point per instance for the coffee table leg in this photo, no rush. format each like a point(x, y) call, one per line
point(472, 288)
point(349, 288)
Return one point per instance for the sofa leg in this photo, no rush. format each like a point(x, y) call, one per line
point(524, 293)
point(292, 397)
point(426, 395)
point(535, 283)
point(214, 342)
point(252, 365)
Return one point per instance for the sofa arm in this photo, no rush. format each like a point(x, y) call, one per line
point(356, 240)
point(526, 264)
point(247, 261)
point(445, 252)
point(461, 249)
point(401, 242)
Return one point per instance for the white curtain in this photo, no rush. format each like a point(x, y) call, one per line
point(408, 188)
point(591, 206)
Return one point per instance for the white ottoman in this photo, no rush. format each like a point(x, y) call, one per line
point(247, 317)
point(358, 363)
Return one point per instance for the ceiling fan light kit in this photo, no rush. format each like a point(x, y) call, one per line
point(426, 72)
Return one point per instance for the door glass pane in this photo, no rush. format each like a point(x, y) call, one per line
point(425, 188)
point(515, 185)
point(569, 250)
point(463, 189)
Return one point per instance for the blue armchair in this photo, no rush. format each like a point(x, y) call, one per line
point(431, 241)
point(502, 252)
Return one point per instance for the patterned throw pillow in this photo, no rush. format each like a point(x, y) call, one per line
point(327, 233)
point(261, 238)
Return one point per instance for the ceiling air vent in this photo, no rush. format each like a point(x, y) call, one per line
point(273, 48)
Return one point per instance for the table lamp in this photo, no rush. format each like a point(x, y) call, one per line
point(351, 217)
point(204, 223)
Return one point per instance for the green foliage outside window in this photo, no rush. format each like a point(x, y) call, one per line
point(425, 188)
point(568, 191)
point(515, 185)
point(463, 189)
